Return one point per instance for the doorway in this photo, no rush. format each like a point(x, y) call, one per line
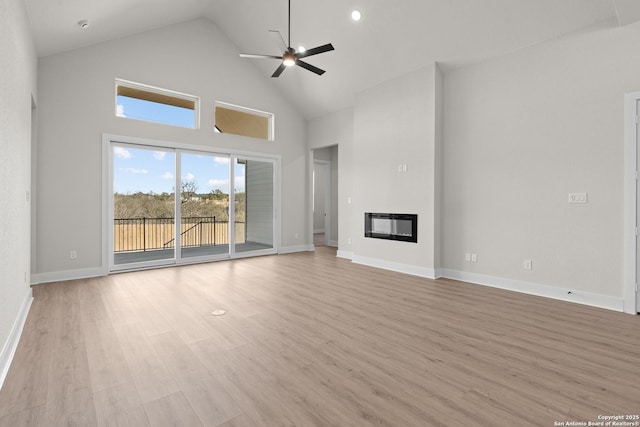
point(32, 194)
point(321, 202)
point(637, 191)
point(631, 273)
point(172, 205)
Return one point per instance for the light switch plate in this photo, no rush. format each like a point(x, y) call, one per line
point(577, 197)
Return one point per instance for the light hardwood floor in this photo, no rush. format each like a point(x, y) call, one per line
point(313, 340)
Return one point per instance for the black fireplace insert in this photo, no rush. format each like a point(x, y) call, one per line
point(391, 226)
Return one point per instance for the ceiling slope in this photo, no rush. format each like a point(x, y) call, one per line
point(627, 11)
point(392, 39)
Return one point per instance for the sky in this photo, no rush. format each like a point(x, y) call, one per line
point(147, 170)
point(133, 108)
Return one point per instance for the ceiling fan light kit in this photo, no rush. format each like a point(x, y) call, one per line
point(289, 59)
point(290, 56)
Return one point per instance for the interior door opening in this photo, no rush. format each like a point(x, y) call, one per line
point(631, 260)
point(321, 202)
point(637, 207)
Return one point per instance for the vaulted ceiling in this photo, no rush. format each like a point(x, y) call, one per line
point(391, 39)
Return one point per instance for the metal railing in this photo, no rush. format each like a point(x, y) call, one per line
point(148, 234)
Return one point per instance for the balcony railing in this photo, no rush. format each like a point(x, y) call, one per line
point(148, 234)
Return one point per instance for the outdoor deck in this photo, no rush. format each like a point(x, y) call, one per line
point(160, 254)
point(139, 240)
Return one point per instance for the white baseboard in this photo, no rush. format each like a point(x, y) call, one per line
point(554, 292)
point(333, 243)
point(547, 291)
point(10, 347)
point(298, 248)
point(439, 272)
point(414, 270)
point(58, 276)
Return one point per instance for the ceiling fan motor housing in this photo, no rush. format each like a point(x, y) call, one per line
point(290, 57)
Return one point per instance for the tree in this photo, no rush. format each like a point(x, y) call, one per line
point(142, 205)
point(150, 205)
point(217, 194)
point(188, 190)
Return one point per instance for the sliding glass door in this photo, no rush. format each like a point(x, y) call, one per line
point(204, 205)
point(254, 191)
point(143, 226)
point(172, 206)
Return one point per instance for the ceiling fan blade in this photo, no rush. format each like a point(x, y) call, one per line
point(277, 37)
point(310, 67)
point(315, 50)
point(279, 70)
point(251, 55)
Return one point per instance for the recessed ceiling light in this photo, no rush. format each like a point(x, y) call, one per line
point(301, 49)
point(356, 15)
point(83, 23)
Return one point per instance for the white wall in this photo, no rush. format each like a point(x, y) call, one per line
point(335, 130)
point(523, 131)
point(512, 137)
point(77, 107)
point(394, 124)
point(18, 64)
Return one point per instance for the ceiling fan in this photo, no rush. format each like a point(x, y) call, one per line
point(289, 55)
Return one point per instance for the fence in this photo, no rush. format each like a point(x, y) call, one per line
point(147, 234)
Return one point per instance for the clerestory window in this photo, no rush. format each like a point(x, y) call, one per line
point(236, 120)
point(142, 102)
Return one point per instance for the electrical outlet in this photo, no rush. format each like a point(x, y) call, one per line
point(467, 257)
point(527, 264)
point(349, 240)
point(474, 257)
point(73, 255)
point(297, 236)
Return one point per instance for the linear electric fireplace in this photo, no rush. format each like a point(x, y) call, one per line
point(391, 226)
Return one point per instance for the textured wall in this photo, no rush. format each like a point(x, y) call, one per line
point(17, 83)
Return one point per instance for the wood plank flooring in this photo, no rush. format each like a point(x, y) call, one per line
point(313, 340)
